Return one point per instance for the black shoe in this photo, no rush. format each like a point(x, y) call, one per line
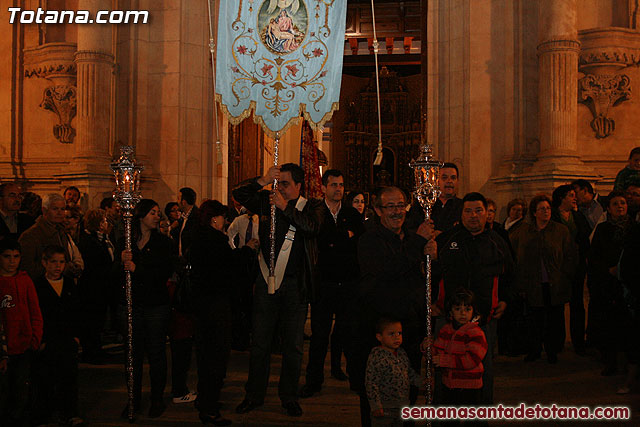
point(292, 409)
point(580, 351)
point(72, 422)
point(531, 357)
point(247, 405)
point(157, 409)
point(608, 371)
point(125, 412)
point(552, 358)
point(339, 375)
point(308, 390)
point(215, 418)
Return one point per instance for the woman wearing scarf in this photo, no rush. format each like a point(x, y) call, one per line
point(606, 292)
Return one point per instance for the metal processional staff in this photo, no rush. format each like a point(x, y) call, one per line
point(427, 191)
point(127, 195)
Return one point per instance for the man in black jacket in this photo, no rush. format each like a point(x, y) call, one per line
point(341, 227)
point(391, 285)
point(474, 257)
point(12, 222)
point(284, 300)
point(183, 233)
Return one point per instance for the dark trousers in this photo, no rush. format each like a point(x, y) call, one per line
point(180, 363)
point(94, 309)
point(334, 299)
point(461, 397)
point(288, 310)
point(213, 346)
point(546, 326)
point(14, 390)
point(54, 374)
point(577, 313)
point(150, 325)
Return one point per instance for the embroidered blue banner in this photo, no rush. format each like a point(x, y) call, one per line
point(280, 58)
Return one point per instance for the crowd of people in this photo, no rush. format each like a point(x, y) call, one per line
point(201, 275)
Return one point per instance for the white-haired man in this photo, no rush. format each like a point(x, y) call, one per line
point(48, 230)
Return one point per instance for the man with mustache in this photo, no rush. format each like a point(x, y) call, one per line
point(447, 209)
point(391, 285)
point(477, 258)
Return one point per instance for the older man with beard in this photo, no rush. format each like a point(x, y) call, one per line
point(391, 284)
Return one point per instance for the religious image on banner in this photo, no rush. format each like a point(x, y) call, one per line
point(309, 163)
point(281, 59)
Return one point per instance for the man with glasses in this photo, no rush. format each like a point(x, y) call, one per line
point(12, 222)
point(477, 258)
point(391, 285)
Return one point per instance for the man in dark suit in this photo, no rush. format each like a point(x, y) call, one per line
point(12, 222)
point(183, 234)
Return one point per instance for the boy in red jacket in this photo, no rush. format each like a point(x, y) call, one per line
point(459, 350)
point(22, 322)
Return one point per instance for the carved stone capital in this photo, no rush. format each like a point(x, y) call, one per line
point(549, 46)
point(53, 61)
point(599, 93)
point(61, 100)
point(607, 50)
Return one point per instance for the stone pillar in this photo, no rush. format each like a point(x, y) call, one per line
point(558, 49)
point(94, 62)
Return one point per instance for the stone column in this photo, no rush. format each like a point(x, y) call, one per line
point(94, 62)
point(558, 49)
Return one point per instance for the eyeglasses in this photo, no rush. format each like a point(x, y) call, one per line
point(543, 209)
point(398, 207)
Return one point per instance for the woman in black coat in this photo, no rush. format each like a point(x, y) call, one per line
point(212, 261)
point(151, 263)
point(606, 294)
point(98, 256)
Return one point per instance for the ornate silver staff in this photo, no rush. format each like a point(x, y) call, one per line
point(127, 194)
point(271, 280)
point(426, 169)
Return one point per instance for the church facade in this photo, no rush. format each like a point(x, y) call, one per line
point(522, 95)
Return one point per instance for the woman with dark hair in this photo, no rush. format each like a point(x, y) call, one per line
point(355, 199)
point(606, 303)
point(516, 211)
point(173, 213)
point(151, 264)
point(545, 256)
point(98, 256)
point(212, 263)
point(565, 211)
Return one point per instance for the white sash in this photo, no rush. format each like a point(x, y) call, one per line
point(273, 283)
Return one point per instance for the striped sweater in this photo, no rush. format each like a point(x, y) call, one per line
point(461, 352)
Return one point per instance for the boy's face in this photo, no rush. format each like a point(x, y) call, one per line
point(634, 162)
point(391, 336)
point(462, 314)
point(54, 266)
point(9, 262)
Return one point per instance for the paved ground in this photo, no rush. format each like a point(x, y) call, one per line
point(573, 381)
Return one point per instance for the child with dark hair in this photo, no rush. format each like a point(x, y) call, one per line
point(20, 315)
point(55, 367)
point(389, 375)
point(459, 350)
